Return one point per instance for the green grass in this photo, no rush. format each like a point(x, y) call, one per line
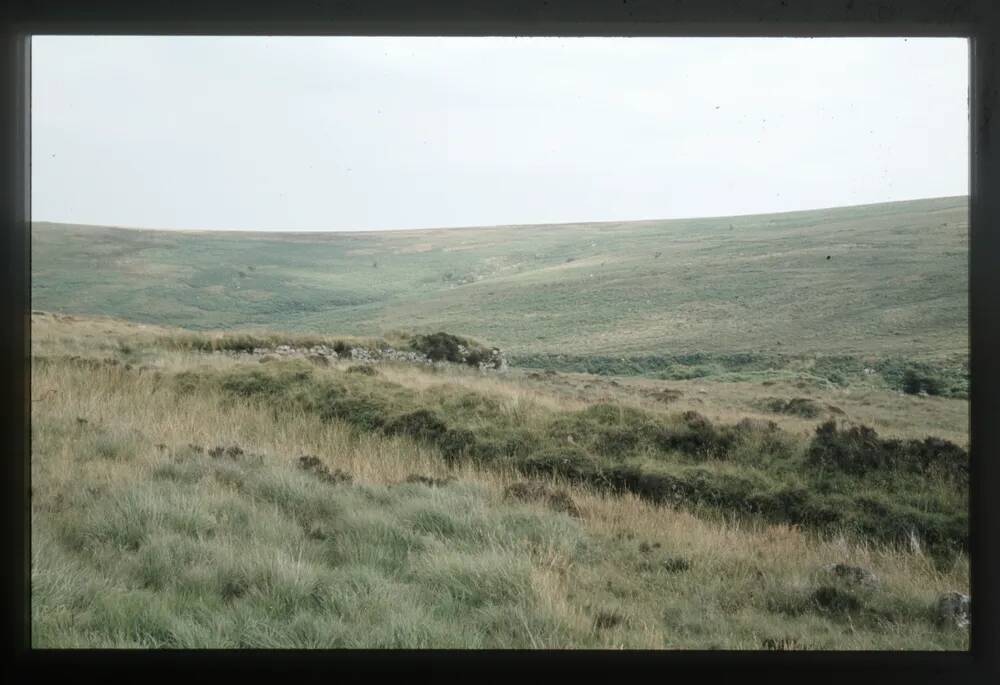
point(896, 283)
point(838, 480)
point(171, 509)
point(945, 376)
point(187, 499)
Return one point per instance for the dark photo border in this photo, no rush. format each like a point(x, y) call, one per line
point(977, 20)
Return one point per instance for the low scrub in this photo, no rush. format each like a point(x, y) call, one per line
point(858, 450)
point(797, 406)
point(750, 468)
point(445, 347)
point(915, 378)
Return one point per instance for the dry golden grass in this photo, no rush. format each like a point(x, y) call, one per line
point(118, 401)
point(717, 603)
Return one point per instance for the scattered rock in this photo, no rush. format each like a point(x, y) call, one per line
point(954, 609)
point(556, 499)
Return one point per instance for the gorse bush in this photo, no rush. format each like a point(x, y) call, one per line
point(440, 347)
point(445, 347)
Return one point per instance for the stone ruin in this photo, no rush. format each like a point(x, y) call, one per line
point(365, 355)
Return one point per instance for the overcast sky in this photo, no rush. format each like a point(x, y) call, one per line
point(354, 133)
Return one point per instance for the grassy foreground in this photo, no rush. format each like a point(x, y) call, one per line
point(171, 508)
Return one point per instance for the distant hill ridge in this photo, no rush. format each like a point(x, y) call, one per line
point(888, 278)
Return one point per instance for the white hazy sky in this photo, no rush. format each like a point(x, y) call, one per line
point(358, 133)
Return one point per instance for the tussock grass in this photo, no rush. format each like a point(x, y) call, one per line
point(141, 538)
point(750, 468)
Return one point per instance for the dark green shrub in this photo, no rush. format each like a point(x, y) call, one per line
point(936, 454)
point(556, 499)
point(256, 383)
point(421, 424)
point(695, 488)
point(941, 532)
point(853, 450)
point(798, 406)
point(950, 379)
point(475, 357)
point(360, 413)
point(916, 381)
point(675, 564)
point(833, 600)
point(440, 346)
point(607, 414)
point(457, 443)
point(569, 462)
point(187, 382)
point(859, 450)
point(316, 466)
point(617, 442)
point(446, 347)
point(697, 438)
point(239, 343)
point(521, 443)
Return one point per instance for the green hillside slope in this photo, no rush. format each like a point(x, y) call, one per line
point(877, 279)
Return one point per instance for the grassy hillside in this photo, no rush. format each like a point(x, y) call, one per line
point(880, 280)
point(702, 419)
point(184, 498)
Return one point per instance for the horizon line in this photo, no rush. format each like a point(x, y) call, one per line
point(492, 226)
